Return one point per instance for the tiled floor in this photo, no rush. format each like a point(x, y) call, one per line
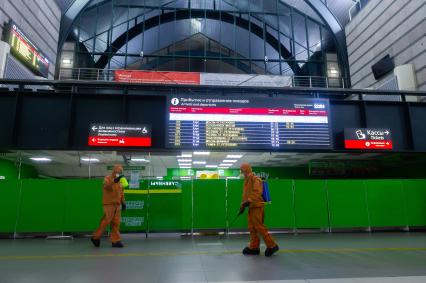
point(381, 257)
point(408, 279)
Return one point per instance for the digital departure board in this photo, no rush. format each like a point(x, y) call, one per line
point(25, 51)
point(201, 122)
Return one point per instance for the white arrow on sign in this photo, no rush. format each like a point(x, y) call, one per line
point(387, 132)
point(121, 141)
point(93, 140)
point(94, 128)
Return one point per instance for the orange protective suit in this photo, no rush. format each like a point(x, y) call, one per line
point(253, 194)
point(112, 198)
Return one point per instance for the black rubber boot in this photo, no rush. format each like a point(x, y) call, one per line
point(118, 244)
point(95, 242)
point(248, 251)
point(270, 251)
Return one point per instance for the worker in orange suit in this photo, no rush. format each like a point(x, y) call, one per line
point(113, 203)
point(252, 198)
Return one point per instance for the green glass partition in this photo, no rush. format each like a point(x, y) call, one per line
point(280, 213)
point(83, 204)
point(209, 204)
point(54, 206)
point(347, 203)
point(9, 202)
point(234, 196)
point(415, 201)
point(42, 207)
point(310, 204)
point(386, 203)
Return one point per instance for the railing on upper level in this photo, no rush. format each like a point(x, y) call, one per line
point(211, 79)
point(356, 8)
point(28, 87)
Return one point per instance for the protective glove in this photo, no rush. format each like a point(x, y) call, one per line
point(123, 206)
point(116, 180)
point(241, 210)
point(243, 207)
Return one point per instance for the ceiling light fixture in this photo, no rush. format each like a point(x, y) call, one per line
point(225, 165)
point(85, 159)
point(185, 155)
point(139, 160)
point(201, 152)
point(41, 159)
point(234, 156)
point(185, 164)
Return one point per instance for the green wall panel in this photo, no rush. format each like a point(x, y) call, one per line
point(209, 204)
point(235, 192)
point(42, 206)
point(186, 206)
point(386, 203)
point(9, 195)
point(83, 205)
point(347, 203)
point(311, 204)
point(75, 205)
point(134, 218)
point(165, 212)
point(280, 213)
point(415, 201)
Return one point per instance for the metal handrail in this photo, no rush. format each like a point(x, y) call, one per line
point(93, 74)
point(357, 4)
point(74, 86)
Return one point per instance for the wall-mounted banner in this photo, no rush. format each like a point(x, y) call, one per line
point(366, 138)
point(193, 78)
point(149, 77)
point(120, 135)
point(245, 80)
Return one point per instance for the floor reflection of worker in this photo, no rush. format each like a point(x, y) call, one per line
point(113, 203)
point(252, 198)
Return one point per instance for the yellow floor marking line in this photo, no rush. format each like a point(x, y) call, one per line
point(145, 192)
point(229, 252)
